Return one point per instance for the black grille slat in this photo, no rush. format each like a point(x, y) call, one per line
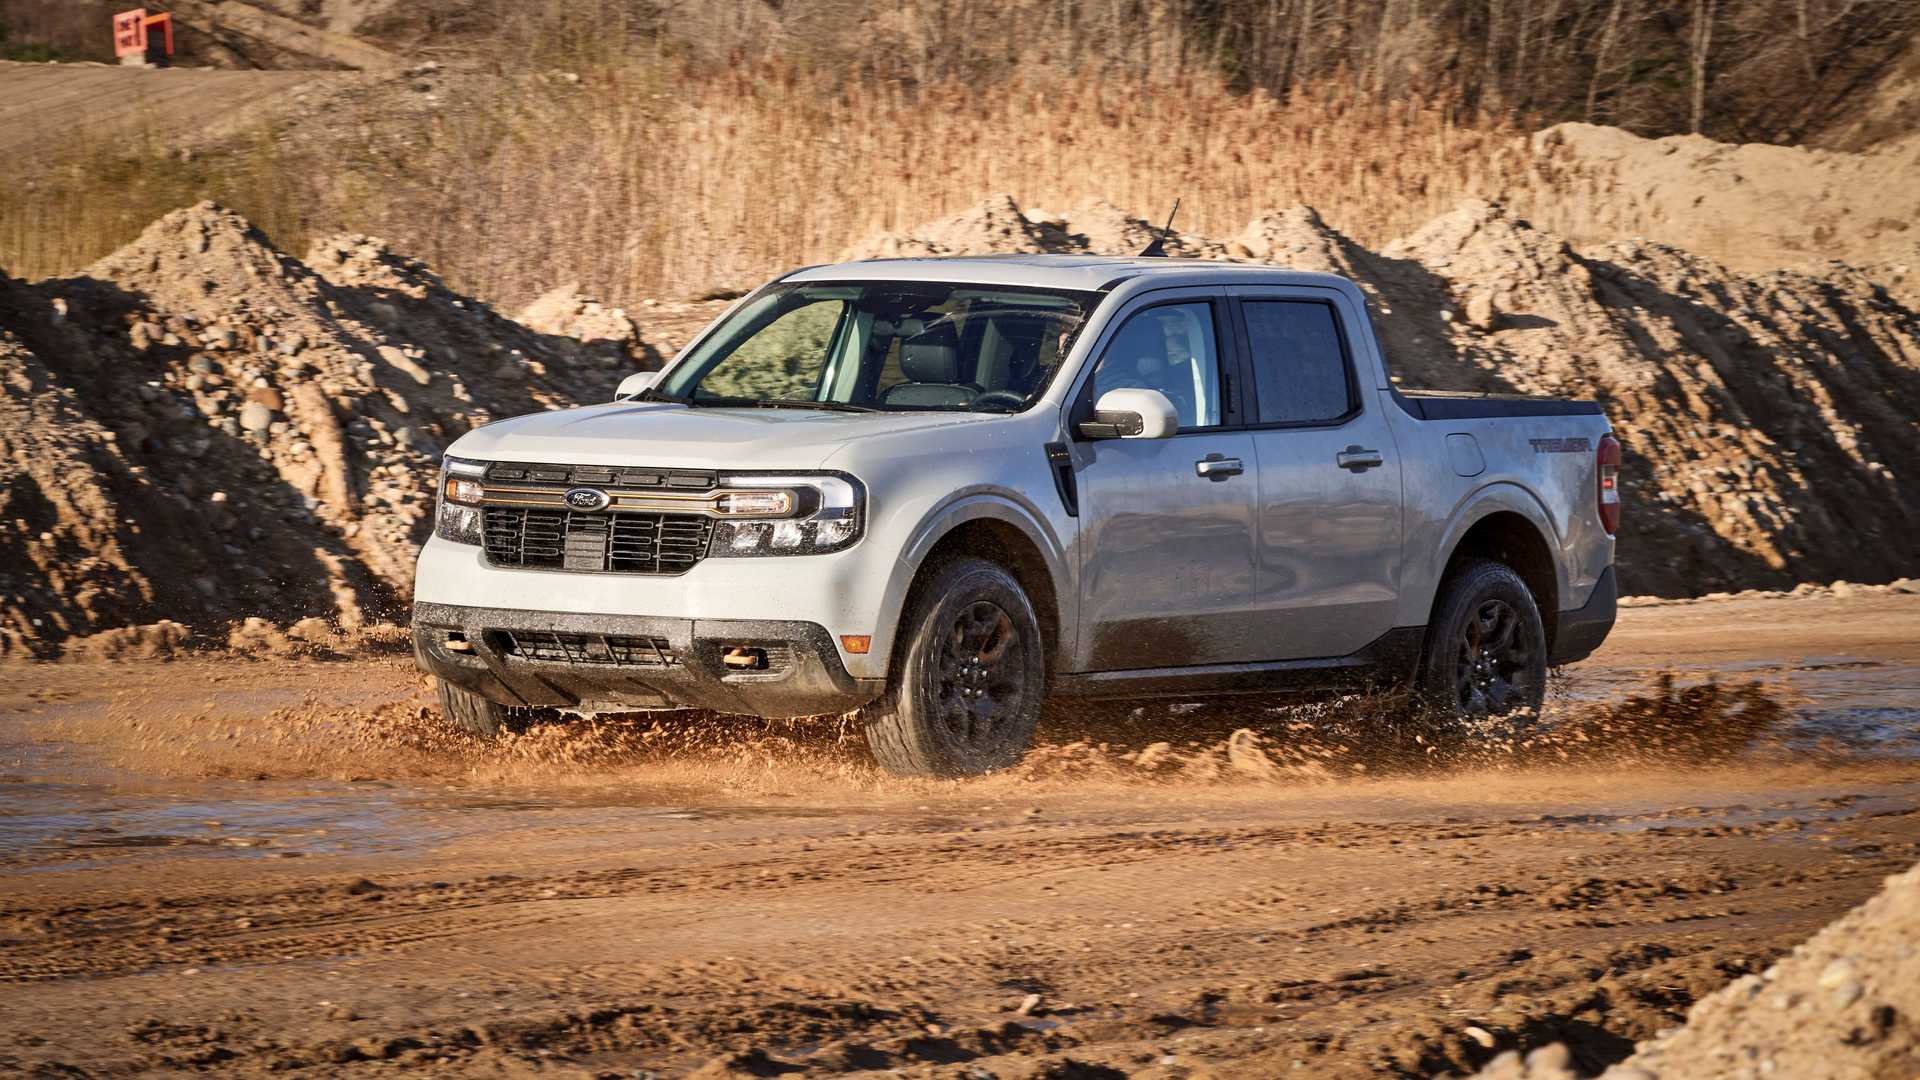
point(620, 650)
point(693, 479)
point(595, 543)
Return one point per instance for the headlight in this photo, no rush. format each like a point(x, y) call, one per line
point(820, 514)
point(459, 484)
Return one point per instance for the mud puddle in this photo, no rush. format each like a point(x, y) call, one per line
point(47, 821)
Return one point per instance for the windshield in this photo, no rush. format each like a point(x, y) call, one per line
point(887, 346)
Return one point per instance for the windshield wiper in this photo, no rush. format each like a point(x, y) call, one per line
point(803, 403)
point(655, 394)
point(779, 403)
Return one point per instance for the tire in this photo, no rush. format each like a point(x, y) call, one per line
point(474, 714)
point(965, 694)
point(1486, 649)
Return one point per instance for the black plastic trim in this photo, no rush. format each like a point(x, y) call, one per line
point(1448, 405)
point(1060, 463)
point(1388, 660)
point(1579, 632)
point(815, 683)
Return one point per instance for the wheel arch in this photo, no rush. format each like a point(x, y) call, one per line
point(998, 530)
point(1507, 525)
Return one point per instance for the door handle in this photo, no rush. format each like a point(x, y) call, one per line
point(1354, 459)
point(1218, 467)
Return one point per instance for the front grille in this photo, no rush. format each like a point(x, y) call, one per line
point(595, 543)
point(690, 479)
point(618, 649)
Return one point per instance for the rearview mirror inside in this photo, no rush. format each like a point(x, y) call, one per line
point(1132, 413)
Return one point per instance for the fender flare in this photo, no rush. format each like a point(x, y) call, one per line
point(1483, 502)
point(977, 504)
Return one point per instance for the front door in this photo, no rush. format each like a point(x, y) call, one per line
point(1329, 518)
point(1167, 541)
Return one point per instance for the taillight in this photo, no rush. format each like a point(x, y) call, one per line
point(1608, 490)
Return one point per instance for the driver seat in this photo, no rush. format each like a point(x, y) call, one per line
point(930, 360)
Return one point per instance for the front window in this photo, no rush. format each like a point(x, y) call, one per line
point(890, 346)
point(1169, 348)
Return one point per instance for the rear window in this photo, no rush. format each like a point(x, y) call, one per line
point(1299, 363)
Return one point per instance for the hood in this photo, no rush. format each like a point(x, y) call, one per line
point(676, 436)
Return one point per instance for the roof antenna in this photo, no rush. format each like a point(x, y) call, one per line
point(1158, 249)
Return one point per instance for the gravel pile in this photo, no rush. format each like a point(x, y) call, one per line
point(1845, 1005)
point(201, 428)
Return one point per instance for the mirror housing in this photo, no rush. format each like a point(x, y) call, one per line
point(1132, 413)
point(633, 385)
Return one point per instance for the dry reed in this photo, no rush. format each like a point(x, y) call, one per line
point(647, 178)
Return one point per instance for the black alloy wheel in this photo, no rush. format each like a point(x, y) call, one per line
point(1486, 648)
point(1493, 663)
point(969, 677)
point(980, 678)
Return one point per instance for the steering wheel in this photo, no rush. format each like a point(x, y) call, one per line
point(1011, 398)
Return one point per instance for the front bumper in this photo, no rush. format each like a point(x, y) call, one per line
point(613, 663)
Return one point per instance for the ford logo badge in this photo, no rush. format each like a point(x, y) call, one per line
point(586, 499)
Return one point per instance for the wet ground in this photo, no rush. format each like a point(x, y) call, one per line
point(281, 866)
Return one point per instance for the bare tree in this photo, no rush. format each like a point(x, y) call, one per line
point(1703, 12)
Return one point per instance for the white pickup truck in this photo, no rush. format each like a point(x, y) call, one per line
point(942, 491)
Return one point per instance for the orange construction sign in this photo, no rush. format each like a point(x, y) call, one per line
point(149, 37)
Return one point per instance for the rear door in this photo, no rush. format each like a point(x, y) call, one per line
point(1166, 548)
point(1328, 524)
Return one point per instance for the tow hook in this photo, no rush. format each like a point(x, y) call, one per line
point(742, 658)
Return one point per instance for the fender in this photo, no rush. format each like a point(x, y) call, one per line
point(1477, 505)
point(975, 504)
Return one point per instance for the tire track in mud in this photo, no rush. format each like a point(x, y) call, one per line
point(317, 922)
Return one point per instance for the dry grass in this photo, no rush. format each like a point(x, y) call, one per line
point(649, 179)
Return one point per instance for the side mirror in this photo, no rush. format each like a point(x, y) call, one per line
point(633, 385)
point(1131, 413)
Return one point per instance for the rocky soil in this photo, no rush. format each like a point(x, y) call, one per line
point(202, 428)
point(1844, 1005)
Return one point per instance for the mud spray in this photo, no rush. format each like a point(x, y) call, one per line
point(237, 730)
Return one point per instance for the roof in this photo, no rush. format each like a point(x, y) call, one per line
point(1079, 272)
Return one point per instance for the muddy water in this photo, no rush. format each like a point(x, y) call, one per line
point(288, 760)
point(295, 867)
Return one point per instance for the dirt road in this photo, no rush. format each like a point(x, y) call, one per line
point(286, 867)
point(42, 104)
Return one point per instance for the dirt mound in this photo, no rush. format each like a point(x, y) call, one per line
point(1766, 419)
point(1752, 206)
point(998, 226)
point(205, 429)
point(606, 333)
point(1844, 1005)
point(1852, 995)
